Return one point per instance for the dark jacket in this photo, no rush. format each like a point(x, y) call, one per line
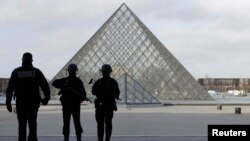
point(71, 90)
point(26, 82)
point(106, 91)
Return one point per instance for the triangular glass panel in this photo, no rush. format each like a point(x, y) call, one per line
point(133, 93)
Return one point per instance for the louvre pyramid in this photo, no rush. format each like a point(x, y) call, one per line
point(130, 47)
point(133, 93)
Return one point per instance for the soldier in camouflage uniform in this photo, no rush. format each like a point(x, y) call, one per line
point(72, 95)
point(106, 91)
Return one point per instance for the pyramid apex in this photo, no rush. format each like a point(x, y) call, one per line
point(124, 4)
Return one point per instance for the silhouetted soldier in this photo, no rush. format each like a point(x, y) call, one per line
point(106, 91)
point(72, 94)
point(25, 82)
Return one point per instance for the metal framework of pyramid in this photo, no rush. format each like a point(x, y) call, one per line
point(125, 43)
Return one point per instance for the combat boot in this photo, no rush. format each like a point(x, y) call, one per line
point(79, 137)
point(66, 138)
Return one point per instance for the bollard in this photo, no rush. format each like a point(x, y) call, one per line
point(219, 107)
point(237, 110)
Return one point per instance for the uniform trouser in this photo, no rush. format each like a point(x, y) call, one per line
point(27, 114)
point(75, 112)
point(104, 120)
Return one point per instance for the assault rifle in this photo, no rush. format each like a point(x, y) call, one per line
point(75, 92)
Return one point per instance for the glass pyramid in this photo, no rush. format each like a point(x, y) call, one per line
point(125, 43)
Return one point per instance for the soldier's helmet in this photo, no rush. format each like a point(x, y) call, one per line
point(106, 68)
point(72, 67)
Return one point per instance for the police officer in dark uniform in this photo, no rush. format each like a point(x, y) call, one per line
point(72, 94)
point(106, 91)
point(24, 83)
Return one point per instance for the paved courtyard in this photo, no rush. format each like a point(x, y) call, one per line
point(157, 123)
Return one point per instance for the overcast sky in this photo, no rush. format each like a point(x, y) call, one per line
point(209, 37)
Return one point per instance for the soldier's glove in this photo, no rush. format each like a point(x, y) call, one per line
point(115, 108)
point(83, 98)
point(9, 107)
point(45, 101)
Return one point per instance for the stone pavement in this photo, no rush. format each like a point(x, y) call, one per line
point(157, 123)
point(117, 138)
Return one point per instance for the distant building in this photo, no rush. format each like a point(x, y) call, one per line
point(3, 84)
point(225, 84)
